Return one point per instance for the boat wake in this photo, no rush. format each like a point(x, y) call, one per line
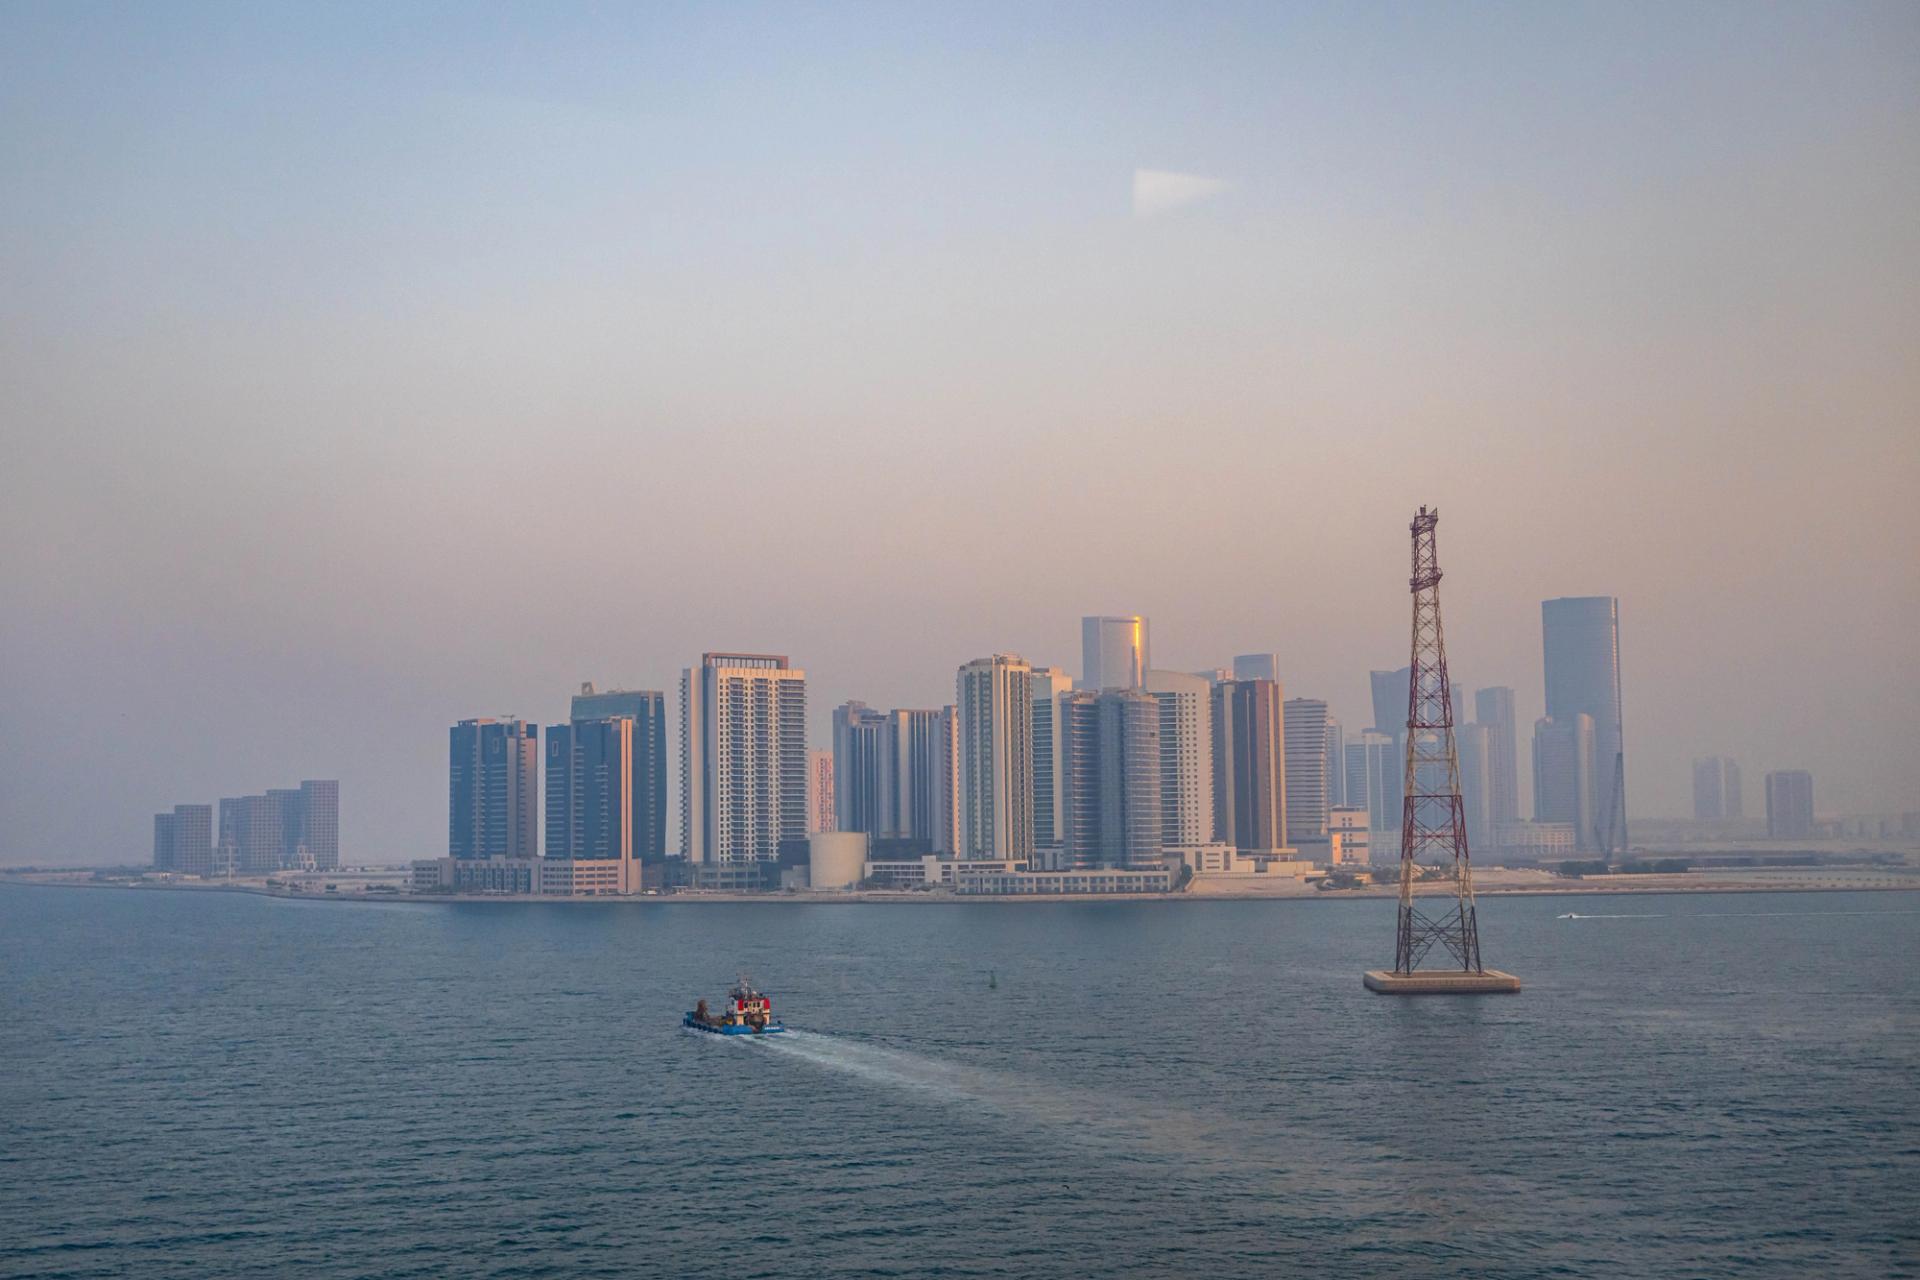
point(1580, 915)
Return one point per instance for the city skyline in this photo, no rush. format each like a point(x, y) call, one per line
point(865, 351)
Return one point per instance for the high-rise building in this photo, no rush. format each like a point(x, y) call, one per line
point(1716, 788)
point(316, 834)
point(1790, 804)
point(1336, 769)
point(918, 795)
point(1474, 746)
point(493, 797)
point(590, 807)
point(1376, 774)
point(1111, 769)
point(743, 759)
point(821, 815)
point(1580, 636)
point(1048, 686)
point(1306, 739)
point(1389, 689)
point(647, 708)
point(862, 761)
point(994, 703)
point(1257, 666)
point(1186, 756)
point(1249, 766)
point(252, 834)
point(1113, 652)
point(1493, 709)
point(1563, 776)
point(183, 840)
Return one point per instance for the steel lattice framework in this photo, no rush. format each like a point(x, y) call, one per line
point(1432, 820)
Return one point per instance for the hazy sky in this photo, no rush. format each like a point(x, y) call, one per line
point(365, 368)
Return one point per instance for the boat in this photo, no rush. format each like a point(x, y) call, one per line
point(747, 1013)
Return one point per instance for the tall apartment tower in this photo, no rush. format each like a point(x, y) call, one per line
point(252, 834)
point(1186, 756)
point(590, 801)
point(1114, 653)
point(1336, 769)
point(647, 708)
point(919, 791)
point(320, 822)
point(1580, 636)
point(493, 798)
point(1473, 744)
point(1306, 738)
point(821, 815)
point(1249, 766)
point(1047, 686)
point(1716, 788)
point(1111, 766)
point(1493, 709)
point(1389, 690)
point(1790, 804)
point(861, 765)
point(1376, 776)
point(1257, 666)
point(994, 701)
point(183, 840)
point(1563, 776)
point(743, 759)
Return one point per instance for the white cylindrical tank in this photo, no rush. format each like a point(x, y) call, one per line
point(836, 860)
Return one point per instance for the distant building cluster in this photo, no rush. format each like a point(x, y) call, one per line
point(292, 829)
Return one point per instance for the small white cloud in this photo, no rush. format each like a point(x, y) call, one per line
point(1156, 191)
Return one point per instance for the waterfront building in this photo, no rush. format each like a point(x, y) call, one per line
point(590, 808)
point(318, 840)
point(1110, 766)
point(1493, 710)
point(1114, 652)
point(861, 764)
point(1186, 756)
point(1716, 788)
point(183, 840)
point(1306, 780)
point(1336, 766)
point(994, 703)
point(894, 774)
point(1375, 777)
point(1348, 831)
point(252, 834)
point(493, 801)
point(1580, 638)
point(1473, 745)
point(1519, 843)
point(1789, 804)
point(1257, 666)
point(743, 761)
point(821, 814)
point(1047, 686)
point(1249, 766)
point(647, 708)
point(1563, 776)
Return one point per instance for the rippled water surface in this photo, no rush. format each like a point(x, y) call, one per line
point(209, 1085)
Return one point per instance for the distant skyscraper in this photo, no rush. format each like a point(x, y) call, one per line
point(1257, 666)
point(1563, 776)
point(493, 798)
point(1716, 788)
point(1790, 804)
point(1336, 750)
point(183, 840)
point(590, 790)
point(862, 762)
point(995, 706)
point(820, 797)
point(1186, 756)
point(1473, 744)
point(1390, 690)
point(1048, 686)
point(919, 790)
point(648, 710)
point(1114, 652)
point(1493, 709)
point(1249, 766)
point(1581, 639)
point(743, 759)
point(1376, 775)
point(1111, 768)
point(1306, 738)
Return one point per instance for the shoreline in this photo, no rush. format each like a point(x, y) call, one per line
point(923, 898)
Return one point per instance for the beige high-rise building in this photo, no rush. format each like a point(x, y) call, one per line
point(994, 701)
point(1186, 756)
point(743, 759)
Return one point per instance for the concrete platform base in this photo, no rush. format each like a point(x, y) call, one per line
point(1440, 982)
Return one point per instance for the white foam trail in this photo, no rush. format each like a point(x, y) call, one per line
point(1730, 915)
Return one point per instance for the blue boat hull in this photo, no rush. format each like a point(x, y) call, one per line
point(694, 1024)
